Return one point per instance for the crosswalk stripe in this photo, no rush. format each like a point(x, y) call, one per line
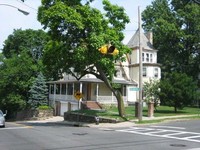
point(165, 133)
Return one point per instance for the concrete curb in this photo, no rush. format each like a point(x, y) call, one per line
point(60, 120)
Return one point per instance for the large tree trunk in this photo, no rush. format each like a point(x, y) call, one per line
point(117, 93)
point(120, 103)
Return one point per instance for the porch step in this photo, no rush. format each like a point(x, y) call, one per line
point(92, 105)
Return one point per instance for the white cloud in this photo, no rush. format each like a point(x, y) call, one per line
point(12, 19)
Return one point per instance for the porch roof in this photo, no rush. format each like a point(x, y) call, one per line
point(94, 80)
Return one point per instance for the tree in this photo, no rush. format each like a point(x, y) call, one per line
point(78, 31)
point(176, 28)
point(177, 90)
point(151, 92)
point(38, 92)
point(30, 41)
point(16, 74)
point(19, 66)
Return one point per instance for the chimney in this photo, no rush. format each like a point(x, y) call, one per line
point(149, 36)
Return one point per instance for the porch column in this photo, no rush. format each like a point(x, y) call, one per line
point(73, 89)
point(112, 98)
point(97, 91)
point(80, 89)
point(54, 94)
point(60, 91)
point(66, 91)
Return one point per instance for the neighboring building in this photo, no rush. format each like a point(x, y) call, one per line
point(61, 94)
point(151, 69)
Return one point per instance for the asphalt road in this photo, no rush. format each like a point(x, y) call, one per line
point(179, 135)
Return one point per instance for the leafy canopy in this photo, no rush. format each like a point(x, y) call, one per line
point(20, 63)
point(177, 90)
point(176, 28)
point(78, 31)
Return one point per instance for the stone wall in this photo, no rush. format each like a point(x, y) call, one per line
point(69, 116)
point(34, 114)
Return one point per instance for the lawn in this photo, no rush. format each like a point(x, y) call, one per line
point(112, 112)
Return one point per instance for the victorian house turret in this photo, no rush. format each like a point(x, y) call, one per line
point(151, 69)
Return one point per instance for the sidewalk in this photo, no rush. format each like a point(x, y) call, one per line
point(60, 120)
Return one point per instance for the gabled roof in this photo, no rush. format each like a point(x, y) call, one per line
point(134, 41)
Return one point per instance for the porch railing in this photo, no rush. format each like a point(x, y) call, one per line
point(100, 99)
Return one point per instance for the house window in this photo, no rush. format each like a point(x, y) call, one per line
point(63, 91)
point(144, 72)
point(142, 57)
point(57, 88)
point(147, 57)
point(76, 87)
point(151, 57)
point(156, 72)
point(118, 73)
point(70, 89)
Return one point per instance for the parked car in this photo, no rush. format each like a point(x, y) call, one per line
point(2, 119)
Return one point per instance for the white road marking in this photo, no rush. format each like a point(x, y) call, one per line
point(12, 128)
point(172, 134)
point(169, 127)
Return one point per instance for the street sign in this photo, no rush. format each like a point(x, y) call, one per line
point(78, 95)
point(134, 89)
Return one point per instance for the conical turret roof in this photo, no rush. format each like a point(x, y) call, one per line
point(145, 43)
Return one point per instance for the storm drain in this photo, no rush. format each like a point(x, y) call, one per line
point(178, 145)
point(80, 134)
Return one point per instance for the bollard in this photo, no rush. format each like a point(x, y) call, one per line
point(97, 120)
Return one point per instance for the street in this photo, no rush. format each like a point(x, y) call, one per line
point(176, 135)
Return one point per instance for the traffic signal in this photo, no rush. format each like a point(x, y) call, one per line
point(109, 49)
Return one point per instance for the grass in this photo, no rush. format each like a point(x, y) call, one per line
point(112, 112)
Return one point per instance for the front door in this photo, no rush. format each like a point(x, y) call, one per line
point(86, 91)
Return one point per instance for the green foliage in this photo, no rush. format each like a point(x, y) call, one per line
point(15, 78)
point(38, 92)
point(78, 31)
point(12, 102)
point(177, 90)
point(176, 28)
point(30, 41)
point(20, 63)
point(151, 91)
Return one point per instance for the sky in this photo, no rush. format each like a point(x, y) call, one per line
point(11, 18)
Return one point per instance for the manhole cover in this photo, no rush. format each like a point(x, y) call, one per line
point(178, 145)
point(80, 133)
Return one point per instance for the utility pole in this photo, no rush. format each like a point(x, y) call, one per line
point(140, 106)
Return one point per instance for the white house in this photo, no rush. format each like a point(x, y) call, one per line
point(61, 92)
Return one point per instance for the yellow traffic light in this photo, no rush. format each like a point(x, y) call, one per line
point(104, 49)
point(109, 49)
